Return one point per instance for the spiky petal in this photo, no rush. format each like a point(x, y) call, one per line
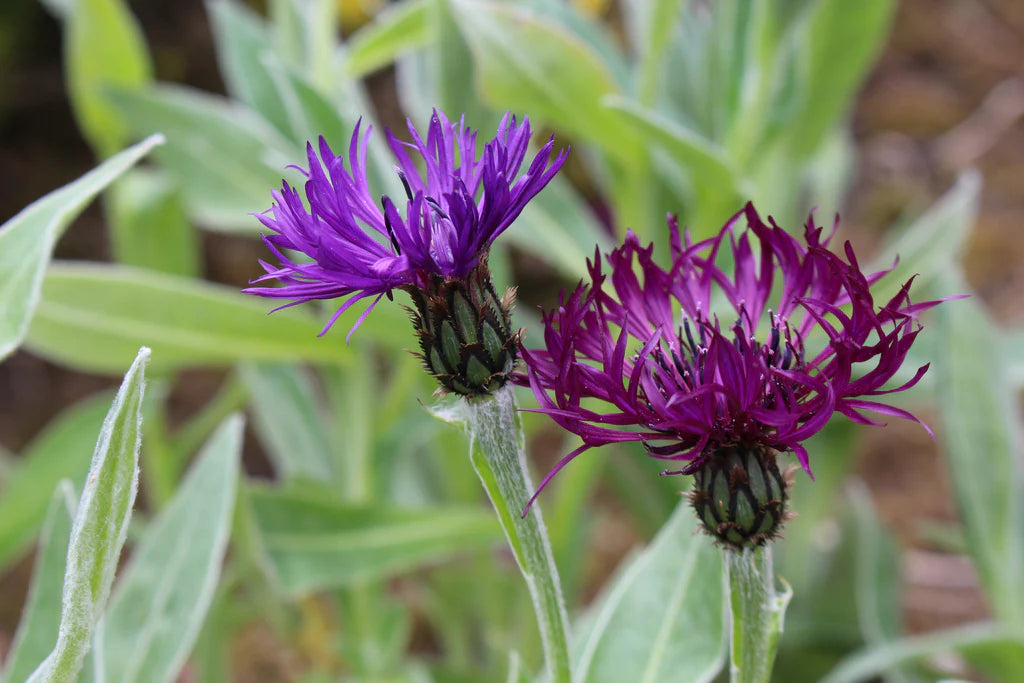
point(359, 247)
point(701, 358)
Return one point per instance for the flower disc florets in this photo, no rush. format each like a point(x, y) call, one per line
point(434, 238)
point(701, 358)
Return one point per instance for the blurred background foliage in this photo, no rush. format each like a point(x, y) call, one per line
point(359, 544)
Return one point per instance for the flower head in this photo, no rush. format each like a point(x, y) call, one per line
point(432, 243)
point(456, 204)
point(709, 365)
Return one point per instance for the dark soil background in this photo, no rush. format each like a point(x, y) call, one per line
point(947, 94)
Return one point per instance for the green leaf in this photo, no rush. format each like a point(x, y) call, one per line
point(650, 26)
point(305, 34)
point(399, 28)
point(148, 226)
point(663, 612)
point(841, 40)
point(452, 66)
point(352, 420)
point(877, 571)
point(689, 163)
point(997, 659)
point(868, 664)
point(556, 79)
point(108, 309)
point(755, 77)
point(586, 25)
point(1013, 350)
point(706, 162)
point(6, 465)
point(40, 618)
point(312, 114)
point(569, 525)
point(61, 451)
point(288, 420)
point(933, 243)
point(285, 92)
point(982, 444)
point(104, 48)
point(802, 558)
point(558, 227)
point(290, 29)
point(27, 240)
point(225, 158)
point(57, 8)
point(99, 529)
point(242, 42)
point(314, 542)
point(877, 575)
point(162, 598)
point(231, 397)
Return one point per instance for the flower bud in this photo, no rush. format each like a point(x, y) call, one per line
point(465, 332)
point(740, 496)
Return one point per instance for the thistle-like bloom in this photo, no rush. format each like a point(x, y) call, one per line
point(799, 339)
point(433, 243)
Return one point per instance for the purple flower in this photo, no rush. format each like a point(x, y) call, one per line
point(799, 339)
point(456, 204)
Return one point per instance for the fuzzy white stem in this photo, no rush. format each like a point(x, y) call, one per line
point(499, 459)
point(757, 614)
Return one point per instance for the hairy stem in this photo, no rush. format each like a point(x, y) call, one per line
point(757, 614)
point(497, 453)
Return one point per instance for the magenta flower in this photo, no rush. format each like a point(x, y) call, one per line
point(433, 244)
point(799, 339)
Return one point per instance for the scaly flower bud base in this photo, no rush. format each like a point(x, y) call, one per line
point(465, 332)
point(740, 496)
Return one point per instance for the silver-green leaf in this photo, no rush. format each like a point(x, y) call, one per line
point(61, 451)
point(40, 619)
point(99, 529)
point(27, 241)
point(161, 601)
point(982, 443)
point(110, 309)
point(664, 613)
point(313, 542)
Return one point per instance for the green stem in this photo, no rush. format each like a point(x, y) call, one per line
point(498, 456)
point(757, 614)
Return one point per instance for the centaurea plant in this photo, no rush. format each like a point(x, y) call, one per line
point(433, 244)
point(722, 370)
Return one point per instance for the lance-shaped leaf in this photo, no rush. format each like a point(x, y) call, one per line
point(27, 240)
point(555, 80)
point(313, 542)
point(104, 47)
point(61, 451)
point(288, 420)
point(109, 309)
point(662, 618)
point(99, 529)
point(930, 245)
point(40, 619)
point(982, 443)
point(161, 601)
point(399, 28)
